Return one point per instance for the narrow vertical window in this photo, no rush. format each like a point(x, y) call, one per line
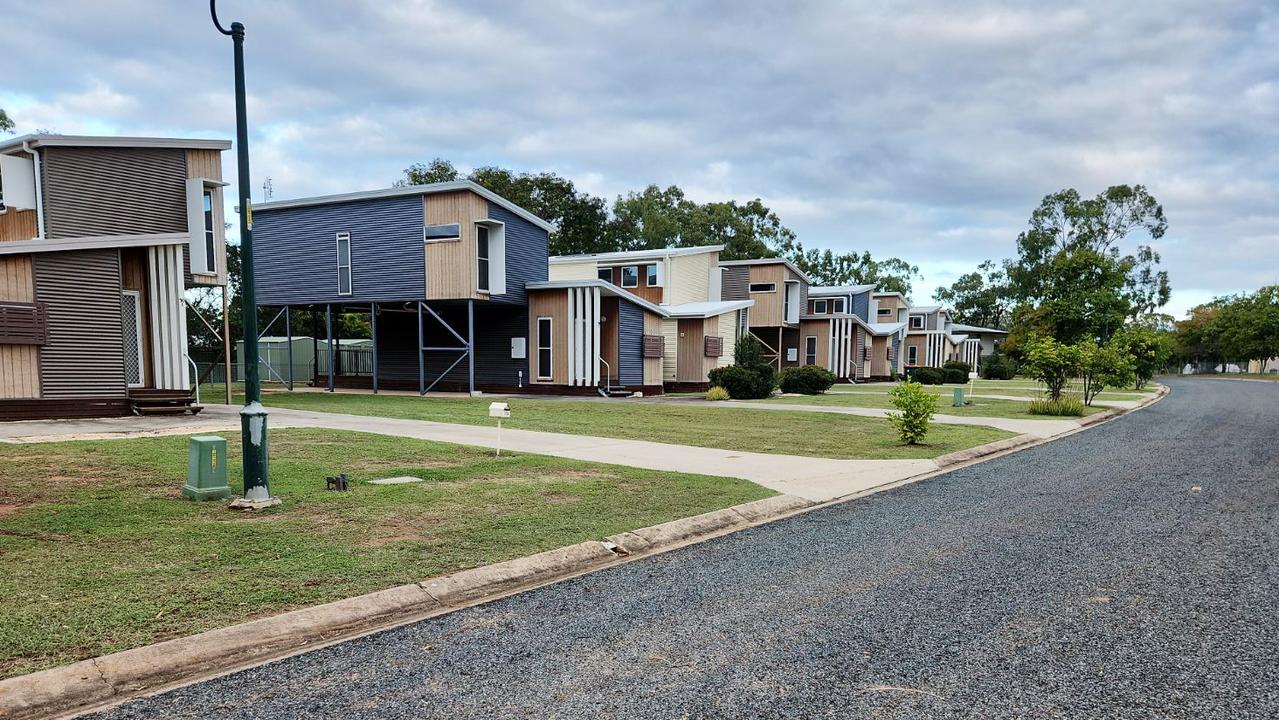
point(837, 306)
point(543, 348)
point(650, 278)
point(810, 350)
point(209, 259)
point(344, 263)
point(912, 355)
point(482, 255)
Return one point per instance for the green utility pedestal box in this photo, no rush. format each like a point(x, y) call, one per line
point(206, 469)
point(959, 397)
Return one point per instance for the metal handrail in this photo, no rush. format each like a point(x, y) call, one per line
point(608, 375)
point(195, 373)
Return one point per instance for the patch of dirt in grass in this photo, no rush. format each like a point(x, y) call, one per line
point(9, 509)
point(559, 498)
point(372, 465)
point(401, 528)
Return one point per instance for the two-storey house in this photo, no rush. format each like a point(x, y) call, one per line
point(695, 328)
point(99, 238)
point(931, 339)
point(840, 333)
point(780, 292)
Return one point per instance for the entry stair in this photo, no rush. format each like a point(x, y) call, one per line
point(151, 401)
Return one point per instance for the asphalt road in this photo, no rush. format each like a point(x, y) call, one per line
point(1084, 578)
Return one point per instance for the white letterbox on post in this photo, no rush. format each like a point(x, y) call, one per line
point(501, 411)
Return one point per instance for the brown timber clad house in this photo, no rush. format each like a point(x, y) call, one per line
point(99, 239)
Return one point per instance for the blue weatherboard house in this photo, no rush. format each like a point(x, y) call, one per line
point(454, 281)
point(439, 269)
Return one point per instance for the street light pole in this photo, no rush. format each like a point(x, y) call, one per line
point(253, 420)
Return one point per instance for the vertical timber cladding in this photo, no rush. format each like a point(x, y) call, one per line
point(451, 264)
point(821, 329)
point(114, 191)
point(767, 311)
point(653, 365)
point(84, 357)
point(207, 164)
point(692, 364)
point(18, 225)
point(19, 364)
point(552, 304)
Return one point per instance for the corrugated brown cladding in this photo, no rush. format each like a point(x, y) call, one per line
point(84, 355)
point(17, 225)
point(114, 191)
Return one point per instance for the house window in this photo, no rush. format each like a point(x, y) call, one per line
point(605, 274)
point(482, 257)
point(651, 275)
point(837, 306)
point(912, 354)
point(210, 262)
point(344, 263)
point(819, 307)
point(810, 350)
point(543, 348)
point(630, 276)
point(916, 322)
point(763, 287)
point(882, 312)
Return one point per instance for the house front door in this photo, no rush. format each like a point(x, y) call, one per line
point(131, 327)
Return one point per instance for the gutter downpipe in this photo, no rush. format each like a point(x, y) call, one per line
point(39, 178)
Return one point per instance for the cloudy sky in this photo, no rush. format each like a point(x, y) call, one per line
point(927, 131)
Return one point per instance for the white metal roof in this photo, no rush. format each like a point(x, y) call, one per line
point(45, 140)
point(607, 288)
point(430, 189)
point(839, 290)
point(624, 255)
point(886, 328)
point(924, 309)
point(706, 309)
point(975, 329)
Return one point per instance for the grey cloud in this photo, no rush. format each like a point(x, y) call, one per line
point(916, 130)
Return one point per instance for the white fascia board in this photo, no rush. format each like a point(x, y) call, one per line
point(606, 288)
point(91, 243)
point(432, 189)
point(115, 142)
point(620, 257)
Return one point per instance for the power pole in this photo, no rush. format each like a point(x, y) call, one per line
point(253, 418)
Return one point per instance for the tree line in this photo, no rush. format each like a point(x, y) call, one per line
point(655, 217)
point(1230, 329)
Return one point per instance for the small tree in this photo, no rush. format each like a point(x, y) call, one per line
point(1149, 349)
point(916, 408)
point(1104, 366)
point(1052, 363)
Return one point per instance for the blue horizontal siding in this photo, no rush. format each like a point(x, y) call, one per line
point(527, 246)
point(630, 343)
point(494, 328)
point(295, 252)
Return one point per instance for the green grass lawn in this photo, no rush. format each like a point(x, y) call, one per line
point(981, 407)
point(785, 433)
point(98, 552)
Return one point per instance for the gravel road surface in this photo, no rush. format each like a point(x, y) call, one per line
point(1129, 571)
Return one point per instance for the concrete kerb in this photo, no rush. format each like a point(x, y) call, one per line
point(91, 684)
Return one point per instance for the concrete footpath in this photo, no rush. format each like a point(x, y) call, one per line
point(815, 479)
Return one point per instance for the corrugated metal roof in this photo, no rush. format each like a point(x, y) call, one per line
point(46, 140)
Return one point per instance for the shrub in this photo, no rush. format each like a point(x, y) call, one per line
point(806, 380)
point(998, 366)
point(954, 375)
point(926, 376)
point(717, 393)
point(743, 383)
point(749, 352)
point(916, 408)
point(1064, 406)
point(1053, 363)
point(959, 365)
point(1104, 366)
